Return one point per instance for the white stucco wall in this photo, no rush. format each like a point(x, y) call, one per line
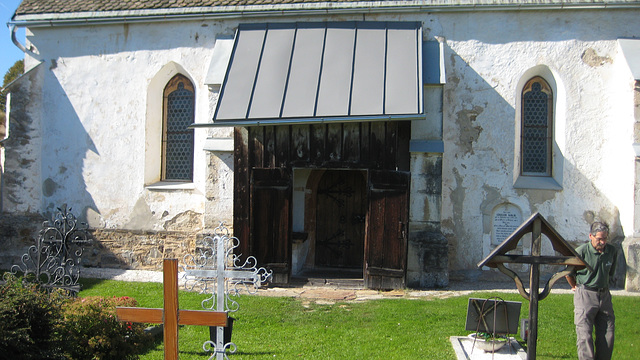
point(95, 108)
point(487, 55)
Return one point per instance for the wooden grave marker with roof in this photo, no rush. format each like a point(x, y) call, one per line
point(537, 225)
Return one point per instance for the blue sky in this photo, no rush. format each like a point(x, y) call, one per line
point(9, 53)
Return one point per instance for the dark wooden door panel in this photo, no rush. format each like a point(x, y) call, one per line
point(386, 233)
point(376, 145)
point(241, 191)
point(271, 220)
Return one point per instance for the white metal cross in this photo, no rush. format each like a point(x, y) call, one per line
point(216, 270)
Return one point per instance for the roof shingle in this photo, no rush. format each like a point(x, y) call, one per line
point(31, 7)
point(36, 7)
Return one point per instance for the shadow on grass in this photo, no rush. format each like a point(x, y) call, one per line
point(237, 353)
point(89, 283)
point(256, 353)
point(85, 283)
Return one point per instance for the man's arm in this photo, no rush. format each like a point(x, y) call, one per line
point(571, 279)
point(614, 263)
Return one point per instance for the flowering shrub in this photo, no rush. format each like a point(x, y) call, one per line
point(92, 331)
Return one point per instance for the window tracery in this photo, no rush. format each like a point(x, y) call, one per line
point(537, 128)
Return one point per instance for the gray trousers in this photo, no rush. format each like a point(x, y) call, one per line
point(592, 308)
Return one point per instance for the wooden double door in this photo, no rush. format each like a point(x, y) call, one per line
point(360, 223)
point(362, 208)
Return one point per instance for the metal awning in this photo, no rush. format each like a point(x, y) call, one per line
point(286, 73)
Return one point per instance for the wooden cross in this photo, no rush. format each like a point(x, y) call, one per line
point(171, 316)
point(537, 225)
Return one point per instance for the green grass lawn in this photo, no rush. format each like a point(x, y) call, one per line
point(287, 328)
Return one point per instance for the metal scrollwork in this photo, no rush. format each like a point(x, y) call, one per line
point(54, 261)
point(217, 271)
point(218, 353)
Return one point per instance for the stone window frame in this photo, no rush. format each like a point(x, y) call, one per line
point(553, 179)
point(153, 130)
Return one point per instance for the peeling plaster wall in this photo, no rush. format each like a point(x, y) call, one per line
point(486, 56)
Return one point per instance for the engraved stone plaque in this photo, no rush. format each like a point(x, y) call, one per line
point(506, 219)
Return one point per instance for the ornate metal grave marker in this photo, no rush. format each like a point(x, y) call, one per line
point(54, 261)
point(215, 269)
point(536, 225)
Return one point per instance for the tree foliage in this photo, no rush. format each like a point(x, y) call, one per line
point(13, 73)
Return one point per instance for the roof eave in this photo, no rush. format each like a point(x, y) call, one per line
point(202, 13)
point(297, 9)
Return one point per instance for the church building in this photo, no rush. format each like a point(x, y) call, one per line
point(395, 142)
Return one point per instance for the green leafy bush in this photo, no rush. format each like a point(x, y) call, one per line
point(36, 324)
point(29, 320)
point(92, 330)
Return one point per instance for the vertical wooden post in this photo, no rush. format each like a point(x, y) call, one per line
point(534, 289)
point(170, 278)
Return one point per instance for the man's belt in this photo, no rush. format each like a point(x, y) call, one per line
point(599, 290)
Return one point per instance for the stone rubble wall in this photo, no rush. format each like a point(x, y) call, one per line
point(116, 249)
point(140, 250)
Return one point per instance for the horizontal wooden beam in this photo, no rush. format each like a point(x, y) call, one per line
point(540, 260)
point(378, 271)
point(140, 315)
point(202, 317)
point(185, 317)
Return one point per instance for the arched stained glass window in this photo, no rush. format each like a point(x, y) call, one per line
point(177, 138)
point(536, 132)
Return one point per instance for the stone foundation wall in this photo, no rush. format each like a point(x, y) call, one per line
point(119, 249)
point(428, 249)
point(140, 250)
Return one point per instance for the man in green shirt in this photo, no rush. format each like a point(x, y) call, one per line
point(592, 299)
